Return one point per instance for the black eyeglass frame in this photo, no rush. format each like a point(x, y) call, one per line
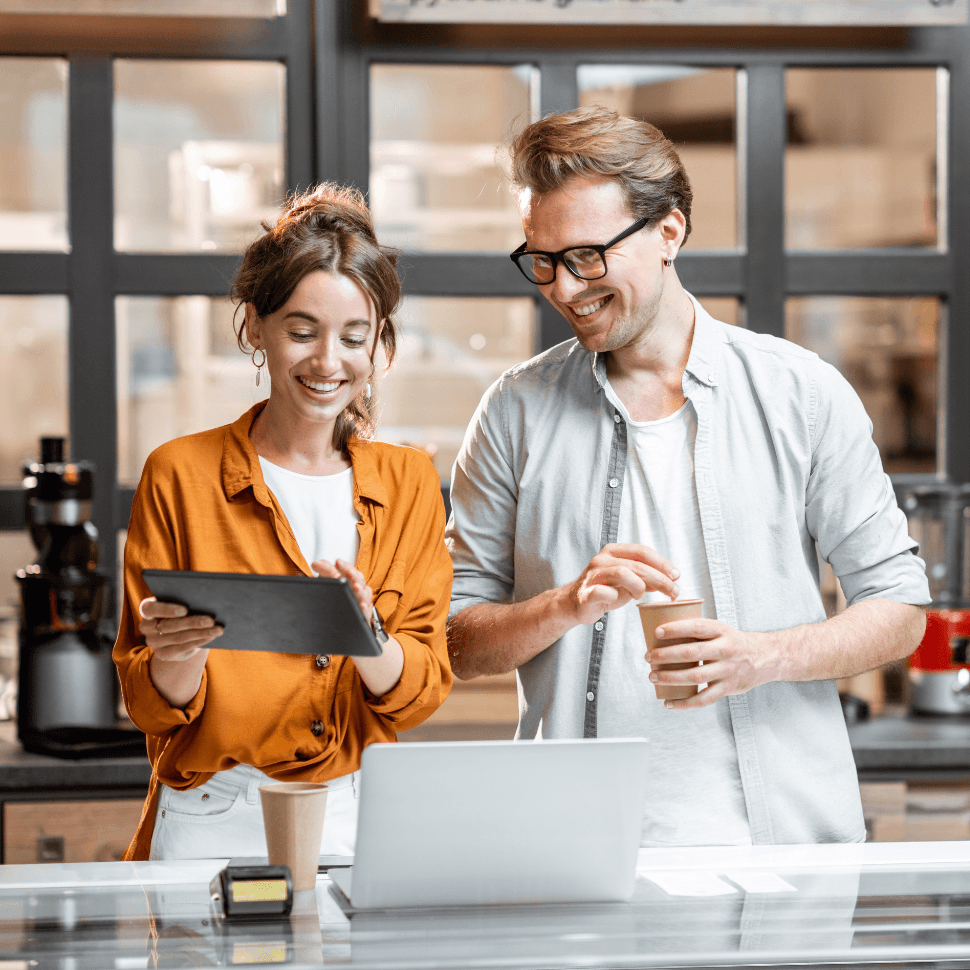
point(560, 257)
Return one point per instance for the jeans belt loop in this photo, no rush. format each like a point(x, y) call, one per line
point(252, 790)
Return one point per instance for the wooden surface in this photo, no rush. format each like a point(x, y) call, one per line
point(484, 709)
point(85, 831)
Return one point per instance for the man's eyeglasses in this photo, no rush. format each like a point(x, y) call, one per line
point(584, 262)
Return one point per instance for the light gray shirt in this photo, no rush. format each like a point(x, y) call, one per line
point(784, 462)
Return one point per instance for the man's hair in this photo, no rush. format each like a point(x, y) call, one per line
point(596, 142)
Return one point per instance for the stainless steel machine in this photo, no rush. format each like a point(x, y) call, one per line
point(939, 670)
point(68, 685)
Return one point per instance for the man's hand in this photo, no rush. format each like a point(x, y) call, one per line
point(733, 662)
point(863, 637)
point(494, 638)
point(619, 574)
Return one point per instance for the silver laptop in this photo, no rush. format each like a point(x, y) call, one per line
point(469, 823)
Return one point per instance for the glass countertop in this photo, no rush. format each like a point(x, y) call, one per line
point(859, 905)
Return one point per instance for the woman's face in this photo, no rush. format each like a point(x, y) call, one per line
point(318, 346)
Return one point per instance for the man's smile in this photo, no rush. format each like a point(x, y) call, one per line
point(587, 309)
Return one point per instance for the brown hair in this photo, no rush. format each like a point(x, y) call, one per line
point(326, 228)
point(596, 142)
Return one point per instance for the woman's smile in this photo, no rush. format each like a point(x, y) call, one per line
point(321, 387)
point(318, 348)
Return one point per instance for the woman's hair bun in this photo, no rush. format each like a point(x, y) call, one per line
point(328, 208)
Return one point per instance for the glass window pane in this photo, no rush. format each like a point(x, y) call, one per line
point(33, 388)
point(450, 352)
point(727, 309)
point(33, 153)
point(438, 170)
point(695, 109)
point(887, 350)
point(16, 551)
point(198, 153)
point(179, 371)
point(860, 165)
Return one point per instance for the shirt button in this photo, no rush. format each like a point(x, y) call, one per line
point(616, 419)
point(323, 660)
point(316, 728)
point(614, 482)
point(590, 696)
point(598, 626)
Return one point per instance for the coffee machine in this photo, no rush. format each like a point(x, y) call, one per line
point(68, 687)
point(939, 670)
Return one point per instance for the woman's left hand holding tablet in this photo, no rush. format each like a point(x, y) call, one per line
point(381, 673)
point(355, 580)
point(179, 642)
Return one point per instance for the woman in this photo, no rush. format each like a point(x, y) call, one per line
point(293, 486)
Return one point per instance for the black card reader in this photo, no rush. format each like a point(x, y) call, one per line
point(252, 892)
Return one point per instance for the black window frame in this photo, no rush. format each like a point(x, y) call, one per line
point(328, 48)
point(762, 274)
point(92, 274)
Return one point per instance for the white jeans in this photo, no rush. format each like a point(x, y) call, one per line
point(224, 818)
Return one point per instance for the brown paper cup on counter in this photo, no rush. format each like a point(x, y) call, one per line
point(293, 818)
point(653, 615)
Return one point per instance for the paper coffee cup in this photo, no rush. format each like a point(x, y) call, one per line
point(653, 615)
point(293, 815)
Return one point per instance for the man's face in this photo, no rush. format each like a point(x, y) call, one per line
point(619, 308)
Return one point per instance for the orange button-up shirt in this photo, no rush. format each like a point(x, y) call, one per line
point(202, 504)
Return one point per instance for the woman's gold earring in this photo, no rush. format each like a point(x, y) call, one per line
point(259, 366)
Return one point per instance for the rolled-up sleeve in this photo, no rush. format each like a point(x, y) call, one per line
point(484, 495)
point(151, 543)
point(850, 504)
point(418, 624)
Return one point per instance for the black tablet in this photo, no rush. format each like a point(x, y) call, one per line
point(282, 614)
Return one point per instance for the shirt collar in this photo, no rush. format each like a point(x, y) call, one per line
point(368, 483)
point(705, 347)
point(240, 463)
point(241, 470)
point(702, 363)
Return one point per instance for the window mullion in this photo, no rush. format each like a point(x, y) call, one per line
point(298, 125)
point(91, 340)
point(763, 164)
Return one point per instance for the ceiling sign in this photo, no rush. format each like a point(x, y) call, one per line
point(791, 12)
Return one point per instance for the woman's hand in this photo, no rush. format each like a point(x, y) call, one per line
point(174, 634)
point(180, 646)
point(355, 579)
point(381, 673)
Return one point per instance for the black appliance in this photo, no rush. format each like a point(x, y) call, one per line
point(939, 670)
point(68, 687)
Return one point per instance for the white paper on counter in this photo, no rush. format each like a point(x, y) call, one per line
point(759, 881)
point(691, 883)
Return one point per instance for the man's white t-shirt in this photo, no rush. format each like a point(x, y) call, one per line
point(694, 789)
point(320, 510)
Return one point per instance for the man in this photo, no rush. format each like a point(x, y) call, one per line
point(662, 453)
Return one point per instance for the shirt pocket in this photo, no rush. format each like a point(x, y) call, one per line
point(387, 600)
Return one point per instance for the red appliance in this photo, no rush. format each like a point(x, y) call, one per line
point(939, 670)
